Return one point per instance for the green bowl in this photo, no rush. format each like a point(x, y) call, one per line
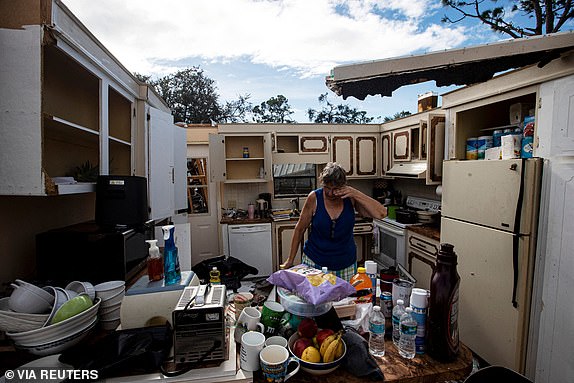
point(72, 307)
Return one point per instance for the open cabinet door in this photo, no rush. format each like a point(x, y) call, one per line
point(161, 170)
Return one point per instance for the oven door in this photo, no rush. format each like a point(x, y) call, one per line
point(390, 245)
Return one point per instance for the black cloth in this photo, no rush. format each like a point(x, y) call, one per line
point(231, 270)
point(358, 361)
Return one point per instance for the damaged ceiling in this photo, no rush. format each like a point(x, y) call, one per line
point(462, 66)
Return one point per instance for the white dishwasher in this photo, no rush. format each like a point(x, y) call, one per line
point(251, 243)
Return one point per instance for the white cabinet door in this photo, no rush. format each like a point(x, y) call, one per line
point(386, 154)
point(401, 145)
point(160, 164)
point(343, 152)
point(180, 163)
point(366, 155)
point(283, 236)
point(435, 148)
point(312, 144)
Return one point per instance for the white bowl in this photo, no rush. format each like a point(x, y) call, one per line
point(115, 314)
point(316, 368)
point(12, 321)
point(38, 290)
point(107, 289)
point(58, 345)
point(107, 309)
point(113, 300)
point(53, 332)
point(60, 298)
point(110, 324)
point(29, 300)
point(82, 287)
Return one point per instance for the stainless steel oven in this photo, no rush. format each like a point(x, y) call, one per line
point(390, 243)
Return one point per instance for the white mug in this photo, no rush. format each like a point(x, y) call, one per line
point(277, 340)
point(274, 362)
point(250, 317)
point(251, 345)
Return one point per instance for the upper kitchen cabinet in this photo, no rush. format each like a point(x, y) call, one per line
point(63, 112)
point(357, 153)
point(313, 144)
point(68, 108)
point(240, 158)
point(413, 147)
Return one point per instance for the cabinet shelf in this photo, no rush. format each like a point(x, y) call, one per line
point(57, 126)
point(244, 159)
point(117, 140)
point(80, 187)
point(241, 181)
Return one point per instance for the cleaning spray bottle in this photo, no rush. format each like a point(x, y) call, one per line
point(154, 262)
point(170, 259)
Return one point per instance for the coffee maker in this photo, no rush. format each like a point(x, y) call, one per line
point(264, 208)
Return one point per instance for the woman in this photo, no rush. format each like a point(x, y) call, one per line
point(330, 211)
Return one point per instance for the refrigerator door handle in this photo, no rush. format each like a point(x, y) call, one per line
point(516, 236)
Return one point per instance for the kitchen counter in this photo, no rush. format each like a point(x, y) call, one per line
point(244, 221)
point(430, 231)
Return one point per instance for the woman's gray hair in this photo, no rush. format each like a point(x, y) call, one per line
point(333, 174)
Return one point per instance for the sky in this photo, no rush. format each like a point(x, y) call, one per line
point(264, 48)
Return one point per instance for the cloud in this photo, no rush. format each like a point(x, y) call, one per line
point(308, 37)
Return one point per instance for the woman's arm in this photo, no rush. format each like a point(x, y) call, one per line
point(364, 205)
point(300, 228)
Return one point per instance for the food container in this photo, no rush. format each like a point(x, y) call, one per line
point(472, 148)
point(298, 306)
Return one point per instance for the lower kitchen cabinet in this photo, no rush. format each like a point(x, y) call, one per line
point(421, 258)
point(283, 234)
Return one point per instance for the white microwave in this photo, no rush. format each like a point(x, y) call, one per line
point(390, 244)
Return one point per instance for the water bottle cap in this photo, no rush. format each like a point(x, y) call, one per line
point(400, 302)
point(376, 308)
point(409, 309)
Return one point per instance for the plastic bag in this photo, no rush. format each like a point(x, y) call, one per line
point(311, 284)
point(361, 320)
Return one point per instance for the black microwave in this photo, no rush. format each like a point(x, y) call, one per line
point(92, 253)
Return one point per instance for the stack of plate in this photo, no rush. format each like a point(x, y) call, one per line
point(426, 217)
point(111, 293)
point(55, 338)
point(12, 321)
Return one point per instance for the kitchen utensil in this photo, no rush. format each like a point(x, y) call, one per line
point(406, 216)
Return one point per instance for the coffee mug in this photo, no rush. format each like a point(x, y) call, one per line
point(242, 300)
point(271, 317)
point(250, 318)
point(275, 361)
point(252, 343)
point(277, 340)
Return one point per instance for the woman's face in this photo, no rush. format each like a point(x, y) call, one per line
point(329, 191)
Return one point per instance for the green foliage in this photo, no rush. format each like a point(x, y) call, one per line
point(276, 109)
point(337, 114)
point(547, 16)
point(192, 96)
point(86, 172)
point(397, 115)
point(236, 111)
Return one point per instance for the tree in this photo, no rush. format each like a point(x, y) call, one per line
point(397, 115)
point(337, 114)
point(236, 111)
point(276, 109)
point(191, 96)
point(548, 15)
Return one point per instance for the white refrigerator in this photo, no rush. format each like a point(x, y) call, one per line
point(490, 215)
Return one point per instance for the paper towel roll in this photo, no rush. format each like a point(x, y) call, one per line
point(438, 190)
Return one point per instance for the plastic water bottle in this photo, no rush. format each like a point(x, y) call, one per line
point(377, 329)
point(398, 312)
point(407, 347)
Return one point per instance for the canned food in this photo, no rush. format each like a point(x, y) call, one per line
point(387, 304)
point(471, 148)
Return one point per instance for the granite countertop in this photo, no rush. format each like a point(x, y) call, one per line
point(429, 231)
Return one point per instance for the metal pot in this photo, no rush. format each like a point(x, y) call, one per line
point(406, 216)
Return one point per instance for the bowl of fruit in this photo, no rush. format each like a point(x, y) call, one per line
point(319, 351)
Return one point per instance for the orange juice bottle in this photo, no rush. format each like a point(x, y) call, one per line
point(362, 283)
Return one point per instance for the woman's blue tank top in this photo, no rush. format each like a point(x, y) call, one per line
point(331, 242)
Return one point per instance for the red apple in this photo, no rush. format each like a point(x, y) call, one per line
point(300, 345)
point(322, 335)
point(307, 328)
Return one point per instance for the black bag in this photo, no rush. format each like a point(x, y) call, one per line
point(231, 270)
point(124, 352)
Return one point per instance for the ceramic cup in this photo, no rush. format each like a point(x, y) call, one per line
point(252, 343)
point(250, 318)
point(276, 340)
point(271, 317)
point(274, 362)
point(242, 300)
